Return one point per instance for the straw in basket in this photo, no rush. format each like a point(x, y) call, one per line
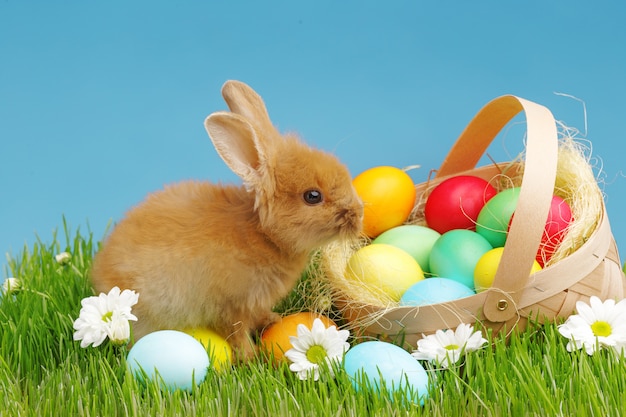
point(591, 268)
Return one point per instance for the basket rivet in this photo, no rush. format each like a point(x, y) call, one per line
point(502, 305)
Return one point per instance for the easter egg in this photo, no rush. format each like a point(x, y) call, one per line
point(220, 352)
point(455, 254)
point(486, 268)
point(376, 364)
point(388, 196)
point(493, 220)
point(559, 219)
point(385, 269)
point(275, 338)
point(179, 360)
point(456, 202)
point(416, 240)
point(433, 291)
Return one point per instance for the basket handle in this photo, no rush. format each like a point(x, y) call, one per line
point(535, 195)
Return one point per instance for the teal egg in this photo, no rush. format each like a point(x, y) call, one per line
point(375, 364)
point(179, 360)
point(433, 291)
point(416, 240)
point(455, 254)
point(494, 218)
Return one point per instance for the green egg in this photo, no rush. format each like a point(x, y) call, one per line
point(416, 240)
point(455, 254)
point(494, 218)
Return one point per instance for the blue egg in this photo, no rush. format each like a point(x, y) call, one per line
point(433, 291)
point(385, 364)
point(179, 359)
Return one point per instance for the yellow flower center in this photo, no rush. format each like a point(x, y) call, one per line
point(451, 347)
point(601, 328)
point(316, 354)
point(107, 316)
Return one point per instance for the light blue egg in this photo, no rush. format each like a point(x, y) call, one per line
point(433, 291)
point(378, 364)
point(179, 359)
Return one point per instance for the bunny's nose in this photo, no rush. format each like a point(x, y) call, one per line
point(353, 216)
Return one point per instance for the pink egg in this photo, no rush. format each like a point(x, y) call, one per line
point(559, 219)
point(456, 202)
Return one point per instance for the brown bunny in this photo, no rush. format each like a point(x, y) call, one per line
point(221, 256)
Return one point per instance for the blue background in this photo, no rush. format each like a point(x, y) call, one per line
point(104, 102)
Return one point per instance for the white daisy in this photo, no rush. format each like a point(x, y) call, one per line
point(119, 328)
point(10, 285)
point(105, 315)
point(315, 347)
point(597, 325)
point(446, 347)
point(63, 258)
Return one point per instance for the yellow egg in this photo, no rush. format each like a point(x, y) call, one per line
point(388, 196)
point(384, 269)
point(487, 265)
point(220, 352)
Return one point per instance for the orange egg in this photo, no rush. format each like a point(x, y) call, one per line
point(275, 338)
point(388, 196)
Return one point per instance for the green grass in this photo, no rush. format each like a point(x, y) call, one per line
point(43, 372)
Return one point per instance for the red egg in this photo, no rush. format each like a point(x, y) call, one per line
point(456, 202)
point(559, 219)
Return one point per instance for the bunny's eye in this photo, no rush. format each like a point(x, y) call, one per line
point(313, 197)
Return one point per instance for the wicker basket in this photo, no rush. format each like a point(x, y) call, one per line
point(594, 268)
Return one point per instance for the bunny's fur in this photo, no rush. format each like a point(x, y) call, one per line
point(221, 256)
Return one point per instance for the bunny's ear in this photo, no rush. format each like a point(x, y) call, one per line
point(237, 143)
point(243, 100)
